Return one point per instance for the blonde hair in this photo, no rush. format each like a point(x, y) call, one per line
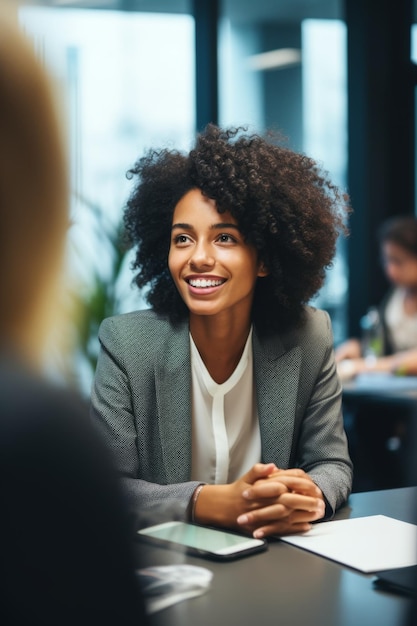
point(33, 189)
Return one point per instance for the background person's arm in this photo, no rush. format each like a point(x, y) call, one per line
point(349, 349)
point(403, 363)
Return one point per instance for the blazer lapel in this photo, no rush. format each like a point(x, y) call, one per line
point(277, 374)
point(173, 395)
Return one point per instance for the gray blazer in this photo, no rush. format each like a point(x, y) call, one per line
point(141, 399)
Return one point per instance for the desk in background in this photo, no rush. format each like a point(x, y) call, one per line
point(380, 415)
point(287, 586)
point(380, 385)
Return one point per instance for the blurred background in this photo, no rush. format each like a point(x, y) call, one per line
point(335, 77)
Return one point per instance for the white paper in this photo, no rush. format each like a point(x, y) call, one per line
point(368, 544)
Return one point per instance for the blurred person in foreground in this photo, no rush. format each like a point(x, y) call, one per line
point(397, 311)
point(64, 541)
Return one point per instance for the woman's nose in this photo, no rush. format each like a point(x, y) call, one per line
point(201, 257)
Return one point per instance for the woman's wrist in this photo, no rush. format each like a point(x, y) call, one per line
point(193, 502)
point(211, 505)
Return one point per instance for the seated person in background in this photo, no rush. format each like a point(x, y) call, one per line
point(224, 399)
point(64, 537)
point(398, 311)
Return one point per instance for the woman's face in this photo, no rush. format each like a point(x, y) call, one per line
point(213, 268)
point(400, 265)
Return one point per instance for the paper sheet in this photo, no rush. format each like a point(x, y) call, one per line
point(368, 544)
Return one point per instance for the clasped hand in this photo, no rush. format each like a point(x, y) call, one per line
point(265, 501)
point(276, 501)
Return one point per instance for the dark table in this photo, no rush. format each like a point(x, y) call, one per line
point(287, 586)
point(375, 385)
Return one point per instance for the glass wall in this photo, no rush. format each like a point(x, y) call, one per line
point(281, 69)
point(127, 84)
point(325, 137)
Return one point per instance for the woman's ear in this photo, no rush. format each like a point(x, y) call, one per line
point(262, 270)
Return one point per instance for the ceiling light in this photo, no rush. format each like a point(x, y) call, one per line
point(275, 59)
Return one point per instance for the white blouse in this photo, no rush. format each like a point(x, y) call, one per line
point(402, 327)
point(226, 440)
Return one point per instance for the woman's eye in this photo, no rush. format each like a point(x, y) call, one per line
point(224, 238)
point(181, 239)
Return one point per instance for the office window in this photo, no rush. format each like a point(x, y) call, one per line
point(127, 82)
point(325, 137)
point(241, 98)
point(283, 66)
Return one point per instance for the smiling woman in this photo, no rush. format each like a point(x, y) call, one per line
point(223, 403)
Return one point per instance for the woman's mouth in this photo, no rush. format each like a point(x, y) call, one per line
point(204, 283)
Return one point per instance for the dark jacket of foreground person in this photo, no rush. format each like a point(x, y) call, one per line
point(65, 544)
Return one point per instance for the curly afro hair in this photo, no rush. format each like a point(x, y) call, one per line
point(284, 206)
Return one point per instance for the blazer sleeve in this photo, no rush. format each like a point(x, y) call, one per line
point(113, 412)
point(322, 444)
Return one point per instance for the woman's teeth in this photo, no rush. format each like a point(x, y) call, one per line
point(203, 282)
